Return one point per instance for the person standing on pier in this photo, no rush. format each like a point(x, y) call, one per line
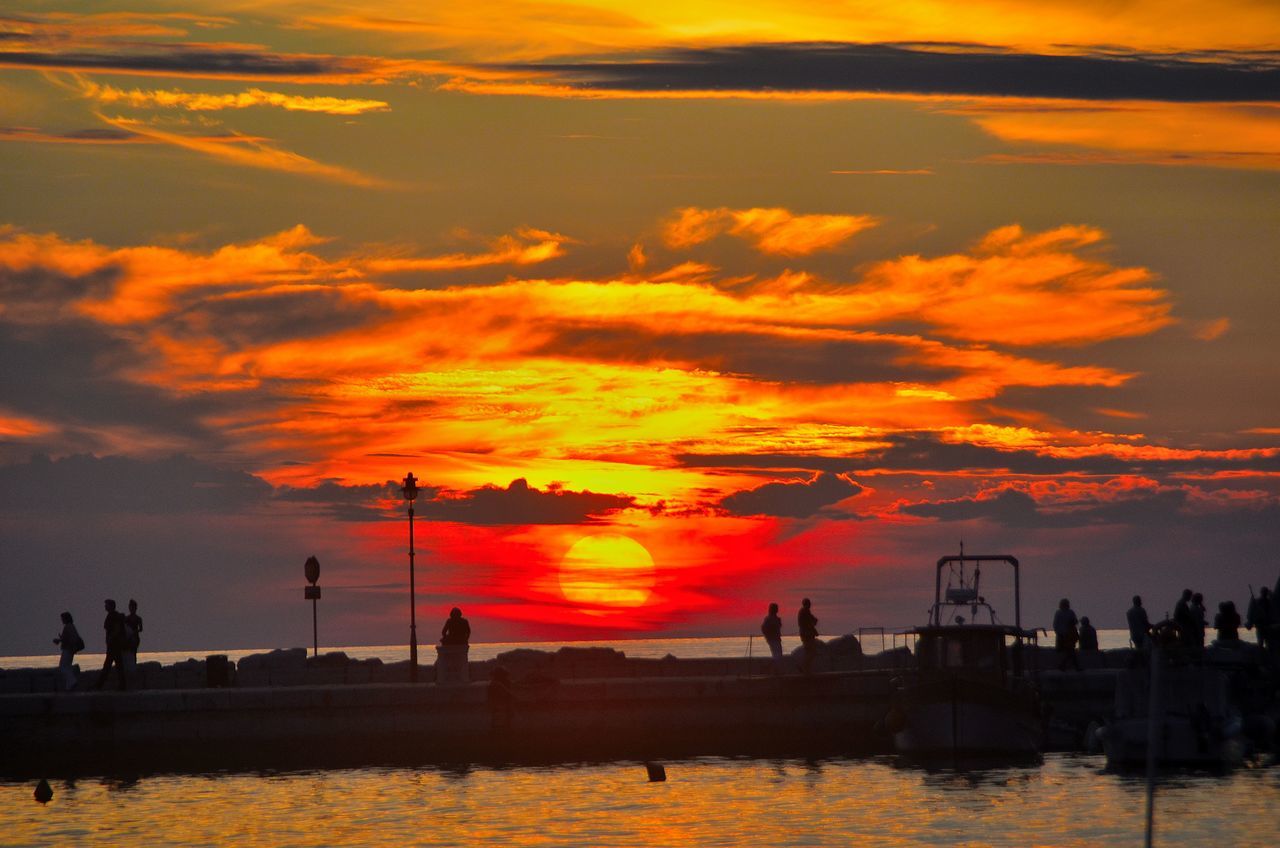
point(114, 627)
point(1199, 617)
point(1066, 635)
point(1260, 615)
point(1185, 620)
point(1139, 624)
point(807, 624)
point(456, 630)
point(771, 627)
point(70, 642)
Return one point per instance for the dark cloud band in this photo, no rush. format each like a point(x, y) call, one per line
point(897, 69)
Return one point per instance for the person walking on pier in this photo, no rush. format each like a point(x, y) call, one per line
point(132, 636)
point(807, 624)
point(771, 627)
point(114, 627)
point(1066, 635)
point(457, 630)
point(70, 642)
point(1139, 624)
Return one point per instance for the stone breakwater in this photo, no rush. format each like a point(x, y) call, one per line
point(293, 667)
point(284, 709)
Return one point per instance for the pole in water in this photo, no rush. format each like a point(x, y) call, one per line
point(1155, 734)
point(657, 774)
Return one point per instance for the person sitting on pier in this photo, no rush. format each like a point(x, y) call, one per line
point(457, 630)
point(771, 627)
point(1066, 635)
point(1227, 622)
point(1088, 636)
point(807, 624)
point(1139, 624)
point(1261, 615)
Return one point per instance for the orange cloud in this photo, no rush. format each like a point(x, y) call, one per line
point(526, 247)
point(775, 231)
point(1020, 289)
point(527, 377)
point(1210, 330)
point(1231, 135)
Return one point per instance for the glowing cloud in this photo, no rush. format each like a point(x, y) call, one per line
point(775, 231)
point(204, 102)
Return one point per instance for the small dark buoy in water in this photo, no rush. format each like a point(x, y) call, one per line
point(44, 792)
point(657, 773)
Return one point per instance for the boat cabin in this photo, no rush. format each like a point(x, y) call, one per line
point(977, 649)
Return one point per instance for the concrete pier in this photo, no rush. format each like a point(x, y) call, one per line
point(311, 726)
point(285, 710)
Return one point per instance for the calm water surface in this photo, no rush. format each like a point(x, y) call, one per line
point(1068, 800)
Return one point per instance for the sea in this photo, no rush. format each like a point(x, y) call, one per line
point(1064, 800)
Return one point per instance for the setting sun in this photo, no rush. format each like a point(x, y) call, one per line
point(606, 572)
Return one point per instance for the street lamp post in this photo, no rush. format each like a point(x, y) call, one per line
point(311, 568)
point(410, 490)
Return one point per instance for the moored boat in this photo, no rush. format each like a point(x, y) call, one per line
point(972, 696)
point(1186, 707)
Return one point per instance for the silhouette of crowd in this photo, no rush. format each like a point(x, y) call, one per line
point(1183, 631)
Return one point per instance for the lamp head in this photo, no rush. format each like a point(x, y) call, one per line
point(410, 487)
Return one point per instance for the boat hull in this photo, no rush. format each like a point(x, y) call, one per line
point(1185, 742)
point(957, 717)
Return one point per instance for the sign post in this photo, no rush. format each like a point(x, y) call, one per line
point(312, 593)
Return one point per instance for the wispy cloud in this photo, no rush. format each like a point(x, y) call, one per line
point(205, 102)
point(249, 152)
point(775, 231)
point(527, 247)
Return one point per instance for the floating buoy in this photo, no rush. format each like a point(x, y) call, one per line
point(657, 773)
point(44, 792)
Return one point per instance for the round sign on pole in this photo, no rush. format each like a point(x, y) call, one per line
point(312, 569)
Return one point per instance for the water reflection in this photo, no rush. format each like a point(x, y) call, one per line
point(828, 802)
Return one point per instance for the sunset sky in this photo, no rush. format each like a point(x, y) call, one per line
point(788, 297)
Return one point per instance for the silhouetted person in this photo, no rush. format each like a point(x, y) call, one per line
point(1227, 622)
point(771, 627)
point(1184, 620)
point(500, 698)
point(114, 627)
point(1066, 635)
point(132, 636)
point(457, 630)
point(70, 643)
point(807, 624)
point(1088, 635)
point(1261, 615)
point(1200, 619)
point(1139, 624)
